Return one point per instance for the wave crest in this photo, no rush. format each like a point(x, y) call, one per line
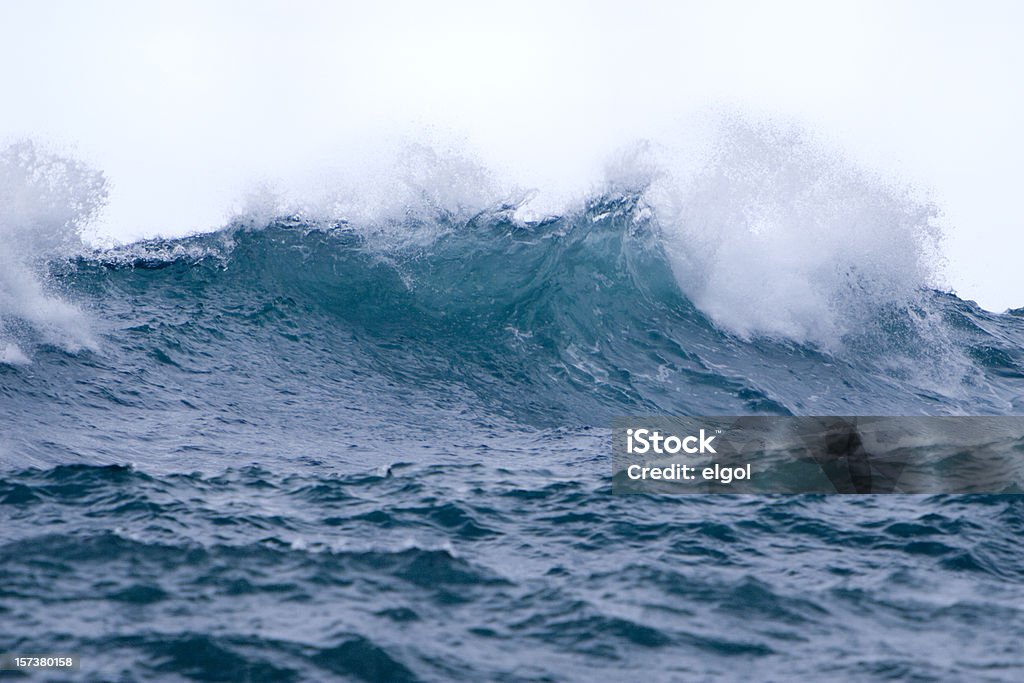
point(773, 234)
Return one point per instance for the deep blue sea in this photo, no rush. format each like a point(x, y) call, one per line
point(287, 453)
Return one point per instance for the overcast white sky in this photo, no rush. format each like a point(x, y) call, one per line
point(185, 104)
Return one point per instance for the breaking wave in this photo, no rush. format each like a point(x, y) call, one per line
point(774, 277)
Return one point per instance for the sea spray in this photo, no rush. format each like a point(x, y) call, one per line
point(771, 232)
point(45, 202)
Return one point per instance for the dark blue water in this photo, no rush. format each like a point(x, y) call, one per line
point(297, 455)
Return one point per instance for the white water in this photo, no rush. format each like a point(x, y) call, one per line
point(45, 202)
point(774, 233)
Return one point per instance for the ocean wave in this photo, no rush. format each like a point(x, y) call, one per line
point(776, 280)
point(578, 316)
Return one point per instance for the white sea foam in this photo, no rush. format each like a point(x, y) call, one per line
point(771, 233)
point(45, 201)
point(405, 195)
point(10, 354)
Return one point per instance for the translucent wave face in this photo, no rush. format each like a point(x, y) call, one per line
point(45, 201)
